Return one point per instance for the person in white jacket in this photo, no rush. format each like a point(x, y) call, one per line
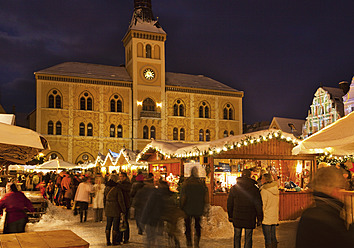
point(82, 197)
point(97, 199)
point(270, 199)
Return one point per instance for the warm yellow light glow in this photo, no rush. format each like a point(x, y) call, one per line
point(299, 167)
point(159, 104)
point(139, 103)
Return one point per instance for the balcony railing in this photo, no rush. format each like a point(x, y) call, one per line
point(150, 114)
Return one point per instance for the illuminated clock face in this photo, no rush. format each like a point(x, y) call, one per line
point(149, 74)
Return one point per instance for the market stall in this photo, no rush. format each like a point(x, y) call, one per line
point(223, 161)
point(56, 164)
point(19, 145)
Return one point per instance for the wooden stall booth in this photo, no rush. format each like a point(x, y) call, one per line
point(262, 152)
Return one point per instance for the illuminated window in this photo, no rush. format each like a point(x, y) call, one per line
point(232, 133)
point(82, 129)
point(152, 132)
point(120, 131)
point(175, 133)
point(207, 135)
point(201, 135)
point(58, 128)
point(226, 134)
point(112, 131)
point(89, 129)
point(182, 134)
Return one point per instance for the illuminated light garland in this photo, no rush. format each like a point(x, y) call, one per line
point(216, 150)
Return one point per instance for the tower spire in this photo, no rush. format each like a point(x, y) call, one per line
point(143, 10)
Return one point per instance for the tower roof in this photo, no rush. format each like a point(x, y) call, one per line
point(143, 18)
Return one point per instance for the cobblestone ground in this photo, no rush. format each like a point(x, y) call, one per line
point(286, 232)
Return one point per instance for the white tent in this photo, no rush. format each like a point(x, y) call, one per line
point(18, 144)
point(56, 164)
point(337, 139)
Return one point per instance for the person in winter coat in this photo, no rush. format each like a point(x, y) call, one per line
point(193, 200)
point(270, 199)
point(244, 206)
point(82, 197)
point(114, 206)
point(322, 225)
point(136, 187)
point(125, 185)
point(15, 202)
point(66, 188)
point(97, 199)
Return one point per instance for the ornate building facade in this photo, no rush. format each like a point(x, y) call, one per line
point(326, 108)
point(83, 109)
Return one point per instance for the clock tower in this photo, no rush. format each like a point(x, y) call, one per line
point(144, 45)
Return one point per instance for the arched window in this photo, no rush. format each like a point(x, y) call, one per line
point(226, 134)
point(175, 133)
point(145, 132)
point(182, 134)
point(225, 114)
point(201, 110)
point(89, 129)
point(50, 127)
point(89, 103)
point(120, 131)
point(119, 106)
point(231, 132)
point(201, 135)
point(112, 131)
point(58, 128)
point(113, 106)
point(231, 114)
point(149, 105)
point(82, 129)
point(181, 110)
point(175, 110)
point(178, 108)
point(206, 109)
point(148, 51)
point(228, 112)
point(152, 132)
point(51, 101)
point(82, 103)
point(207, 135)
point(58, 101)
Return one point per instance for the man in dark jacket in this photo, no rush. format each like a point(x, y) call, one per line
point(136, 187)
point(193, 199)
point(322, 225)
point(125, 185)
point(113, 206)
point(244, 206)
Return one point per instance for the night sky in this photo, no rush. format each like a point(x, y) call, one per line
point(276, 52)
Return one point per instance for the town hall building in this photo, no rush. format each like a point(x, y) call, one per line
point(83, 109)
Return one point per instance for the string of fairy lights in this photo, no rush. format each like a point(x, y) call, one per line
point(192, 152)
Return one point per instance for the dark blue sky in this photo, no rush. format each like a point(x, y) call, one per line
point(277, 52)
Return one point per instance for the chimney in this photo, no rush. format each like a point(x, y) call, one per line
point(345, 86)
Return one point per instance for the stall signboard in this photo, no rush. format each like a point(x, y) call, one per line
point(188, 167)
point(223, 167)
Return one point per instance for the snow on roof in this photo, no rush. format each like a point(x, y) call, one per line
point(85, 70)
point(195, 81)
point(172, 149)
point(288, 125)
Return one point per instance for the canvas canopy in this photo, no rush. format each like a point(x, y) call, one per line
point(57, 164)
point(337, 139)
point(19, 144)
